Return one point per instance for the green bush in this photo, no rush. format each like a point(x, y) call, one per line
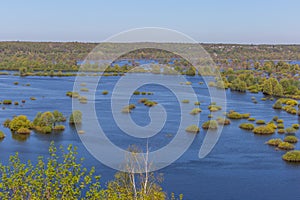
point(274, 142)
point(104, 92)
point(197, 103)
point(16, 103)
point(279, 121)
point(16, 83)
point(143, 100)
point(286, 146)
point(84, 89)
point(280, 126)
point(247, 126)
point(252, 119)
point(281, 131)
point(32, 98)
point(275, 118)
point(43, 129)
point(291, 139)
point(6, 123)
point(59, 128)
point(195, 111)
point(236, 115)
point(290, 130)
point(18, 122)
point(214, 108)
point(127, 109)
point(223, 121)
point(260, 122)
point(193, 129)
point(292, 156)
point(83, 99)
point(7, 102)
point(185, 101)
point(72, 94)
point(150, 103)
point(290, 109)
point(2, 135)
point(136, 93)
point(23, 131)
point(295, 126)
point(75, 117)
point(211, 124)
point(277, 105)
point(263, 130)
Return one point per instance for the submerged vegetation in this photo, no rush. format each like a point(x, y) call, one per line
point(193, 129)
point(211, 124)
point(292, 156)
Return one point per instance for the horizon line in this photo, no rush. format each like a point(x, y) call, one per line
point(97, 42)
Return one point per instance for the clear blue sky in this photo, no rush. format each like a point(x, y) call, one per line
point(216, 21)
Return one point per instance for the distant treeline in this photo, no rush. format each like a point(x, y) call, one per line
point(64, 56)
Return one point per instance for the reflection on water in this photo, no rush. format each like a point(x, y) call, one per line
point(20, 137)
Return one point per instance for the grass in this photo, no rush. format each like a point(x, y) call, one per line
point(32, 98)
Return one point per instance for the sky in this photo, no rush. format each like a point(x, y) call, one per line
point(206, 21)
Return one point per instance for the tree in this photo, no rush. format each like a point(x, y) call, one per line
point(64, 177)
point(53, 179)
point(137, 182)
point(278, 90)
point(269, 86)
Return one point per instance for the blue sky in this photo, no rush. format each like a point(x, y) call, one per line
point(209, 21)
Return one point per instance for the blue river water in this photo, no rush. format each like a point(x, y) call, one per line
point(240, 166)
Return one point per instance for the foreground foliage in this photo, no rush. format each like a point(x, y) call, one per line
point(64, 177)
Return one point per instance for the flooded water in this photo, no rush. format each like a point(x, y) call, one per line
point(240, 166)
